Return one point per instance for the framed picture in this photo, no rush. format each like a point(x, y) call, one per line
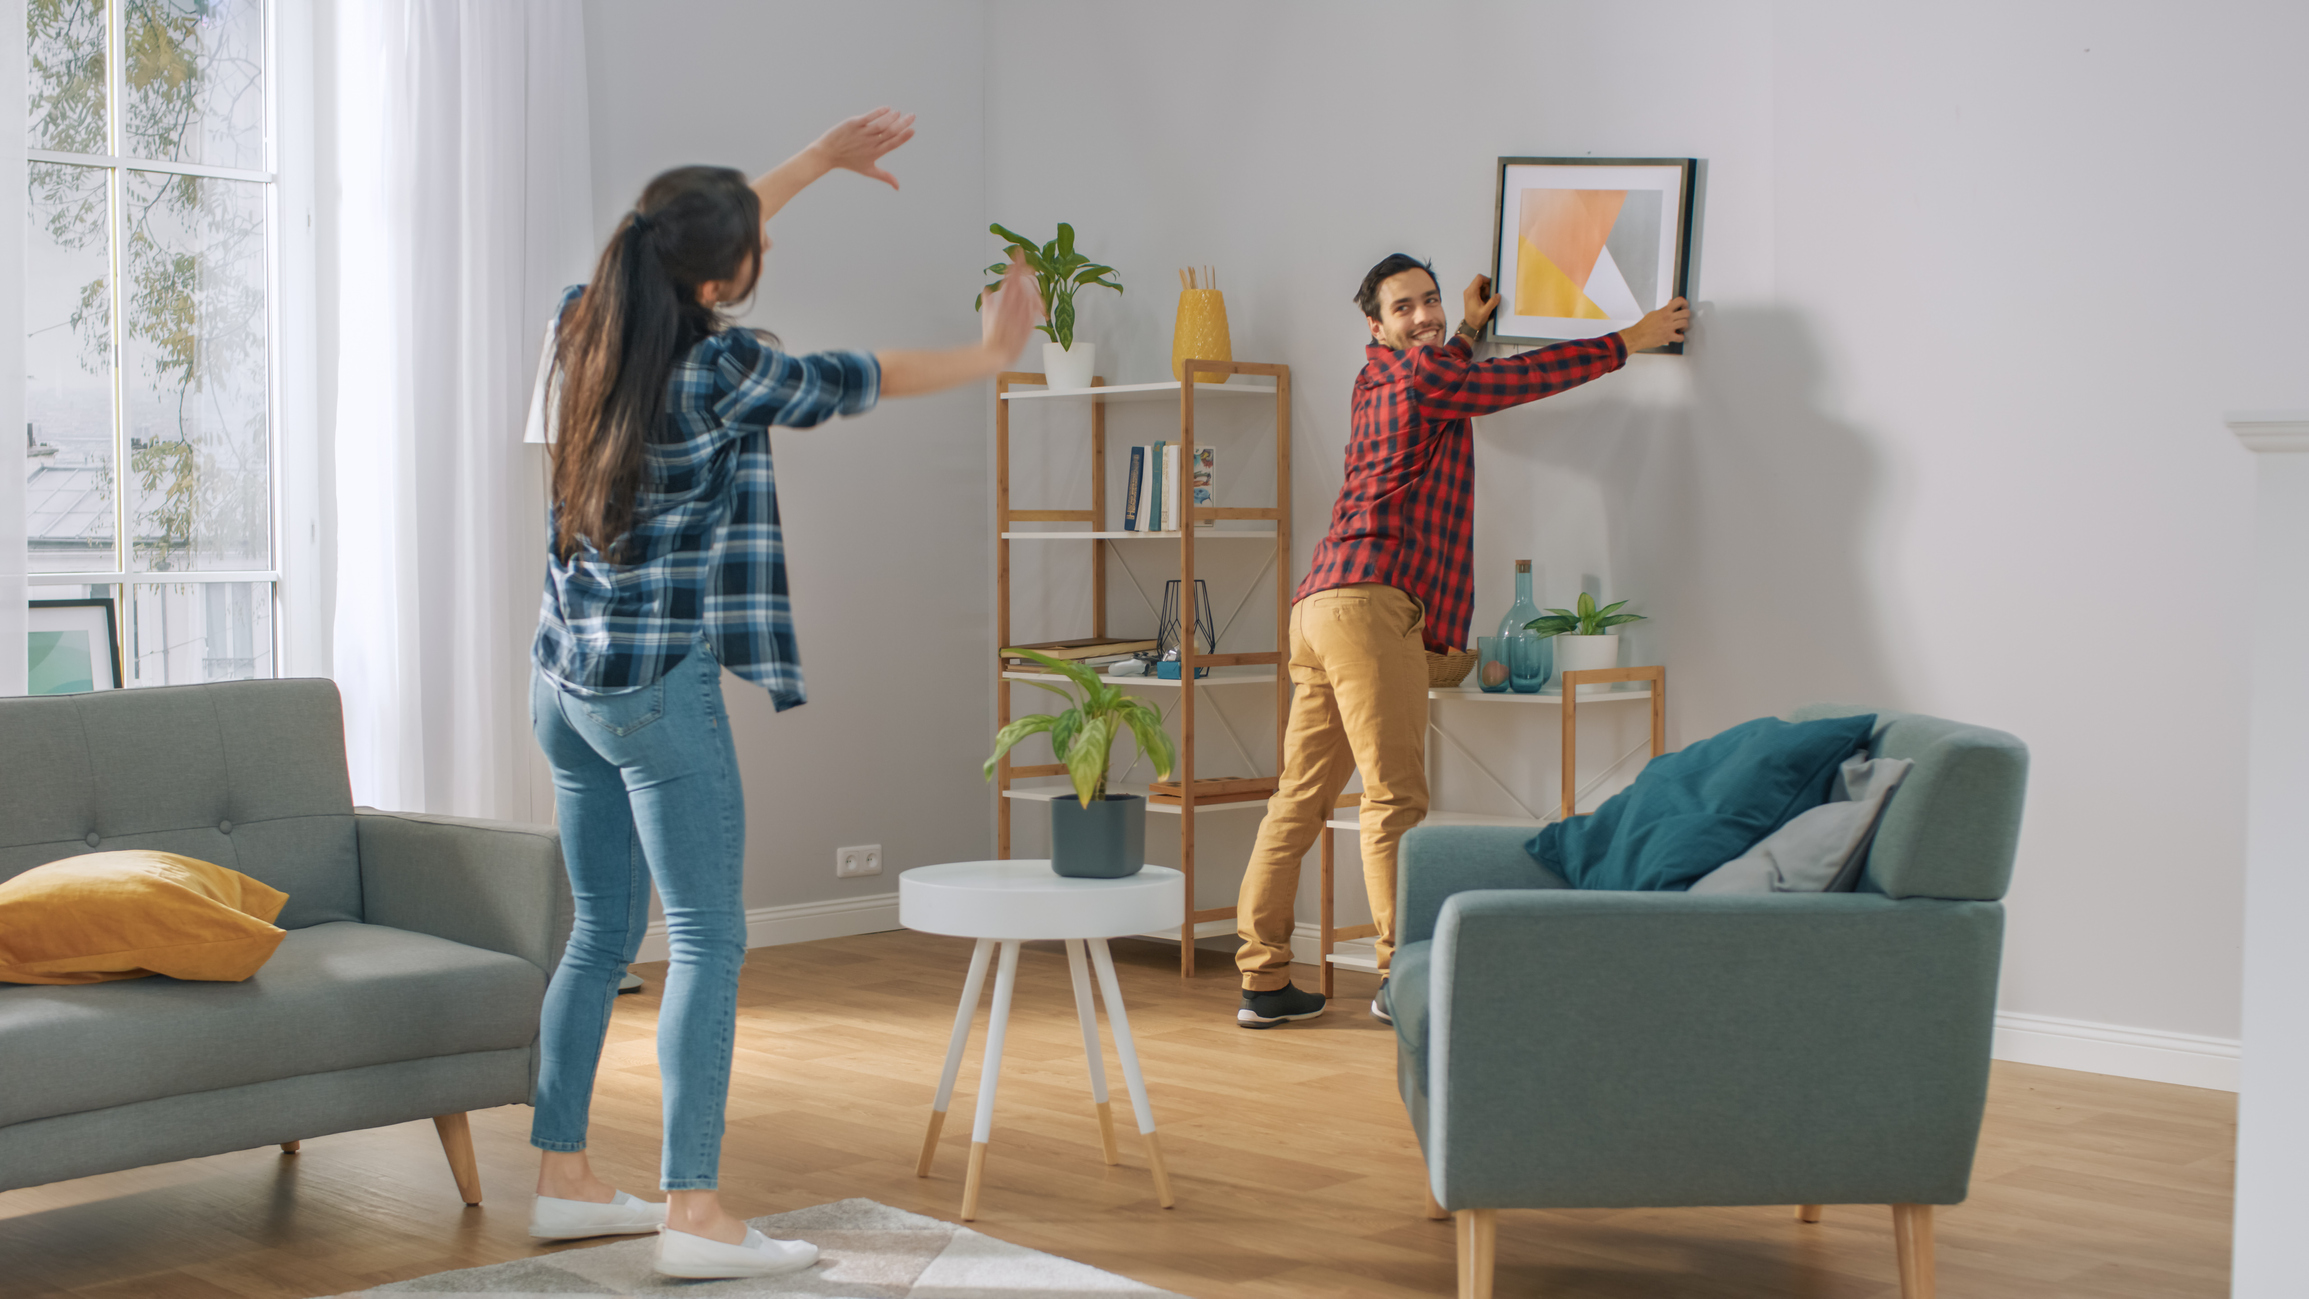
point(1583, 247)
point(75, 647)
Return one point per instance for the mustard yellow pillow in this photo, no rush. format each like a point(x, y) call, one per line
point(123, 915)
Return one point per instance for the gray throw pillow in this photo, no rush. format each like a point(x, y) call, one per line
point(1820, 850)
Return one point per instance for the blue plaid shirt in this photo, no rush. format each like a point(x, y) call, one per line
point(705, 554)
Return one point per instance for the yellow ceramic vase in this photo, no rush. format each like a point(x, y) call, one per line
point(1201, 334)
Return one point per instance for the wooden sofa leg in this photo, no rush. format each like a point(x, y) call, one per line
point(457, 1143)
point(1478, 1251)
point(1435, 1212)
point(1807, 1213)
point(291, 1147)
point(1912, 1238)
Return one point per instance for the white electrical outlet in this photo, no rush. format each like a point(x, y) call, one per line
point(864, 859)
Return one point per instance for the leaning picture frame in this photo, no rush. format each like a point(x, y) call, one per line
point(1583, 247)
point(74, 647)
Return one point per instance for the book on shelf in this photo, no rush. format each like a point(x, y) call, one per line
point(1173, 518)
point(1154, 491)
point(1079, 649)
point(1157, 475)
point(1170, 793)
point(1130, 497)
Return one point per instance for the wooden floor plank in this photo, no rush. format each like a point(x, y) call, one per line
point(1295, 1171)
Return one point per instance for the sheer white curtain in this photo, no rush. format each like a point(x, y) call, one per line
point(464, 192)
point(13, 590)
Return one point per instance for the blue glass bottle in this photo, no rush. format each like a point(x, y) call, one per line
point(1530, 656)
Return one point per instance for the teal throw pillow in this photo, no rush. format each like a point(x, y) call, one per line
point(1691, 811)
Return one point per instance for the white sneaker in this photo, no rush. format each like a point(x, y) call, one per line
point(681, 1254)
point(624, 1215)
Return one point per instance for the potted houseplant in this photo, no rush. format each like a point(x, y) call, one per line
point(1093, 834)
point(1059, 272)
point(1583, 640)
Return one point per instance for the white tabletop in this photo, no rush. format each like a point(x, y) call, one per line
point(1024, 899)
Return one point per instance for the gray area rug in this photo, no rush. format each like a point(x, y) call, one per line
point(866, 1251)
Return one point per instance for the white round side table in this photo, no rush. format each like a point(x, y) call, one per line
point(1005, 903)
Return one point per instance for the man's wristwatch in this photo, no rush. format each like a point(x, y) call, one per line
point(1473, 332)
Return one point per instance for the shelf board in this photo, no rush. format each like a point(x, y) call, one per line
point(1045, 793)
point(1339, 822)
point(1203, 929)
point(1141, 391)
point(1475, 695)
point(1201, 534)
point(1357, 954)
point(1239, 676)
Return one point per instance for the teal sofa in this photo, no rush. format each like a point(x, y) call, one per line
point(1567, 1049)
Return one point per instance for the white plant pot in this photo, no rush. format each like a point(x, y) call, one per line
point(1585, 654)
point(1069, 367)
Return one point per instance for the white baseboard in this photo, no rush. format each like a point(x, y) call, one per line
point(800, 923)
point(2147, 1054)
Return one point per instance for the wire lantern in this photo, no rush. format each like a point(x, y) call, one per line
point(1170, 631)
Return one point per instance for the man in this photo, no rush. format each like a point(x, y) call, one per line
point(1392, 579)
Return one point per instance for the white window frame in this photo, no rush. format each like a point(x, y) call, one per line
point(299, 648)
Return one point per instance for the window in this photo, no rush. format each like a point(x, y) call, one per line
point(150, 305)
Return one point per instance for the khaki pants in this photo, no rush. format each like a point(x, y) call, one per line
point(1360, 672)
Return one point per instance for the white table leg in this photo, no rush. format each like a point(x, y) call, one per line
point(1119, 1019)
point(972, 984)
point(1087, 1013)
point(1005, 978)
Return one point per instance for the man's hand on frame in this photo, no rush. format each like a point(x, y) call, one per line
point(1659, 328)
point(1479, 302)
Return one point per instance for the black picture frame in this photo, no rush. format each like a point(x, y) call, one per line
point(111, 609)
point(1507, 326)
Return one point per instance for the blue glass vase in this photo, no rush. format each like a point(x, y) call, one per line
point(1530, 656)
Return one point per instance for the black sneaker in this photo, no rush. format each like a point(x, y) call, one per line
point(1284, 1004)
point(1380, 1010)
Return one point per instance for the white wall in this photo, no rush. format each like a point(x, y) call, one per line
point(2048, 379)
point(1976, 284)
point(1948, 437)
point(885, 515)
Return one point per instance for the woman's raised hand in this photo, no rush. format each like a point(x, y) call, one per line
point(858, 143)
point(1009, 313)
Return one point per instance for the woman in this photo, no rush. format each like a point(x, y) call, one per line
point(666, 567)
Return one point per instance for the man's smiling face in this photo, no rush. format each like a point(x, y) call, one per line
point(1410, 312)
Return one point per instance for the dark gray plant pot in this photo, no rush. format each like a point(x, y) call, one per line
point(1104, 841)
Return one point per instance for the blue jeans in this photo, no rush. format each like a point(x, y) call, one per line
point(646, 786)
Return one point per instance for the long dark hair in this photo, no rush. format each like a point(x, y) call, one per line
point(618, 343)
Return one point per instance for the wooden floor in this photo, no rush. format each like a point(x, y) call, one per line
point(1295, 1170)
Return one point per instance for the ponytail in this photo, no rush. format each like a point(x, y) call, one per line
point(618, 343)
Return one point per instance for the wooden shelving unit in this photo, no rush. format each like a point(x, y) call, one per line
point(1187, 797)
point(1654, 690)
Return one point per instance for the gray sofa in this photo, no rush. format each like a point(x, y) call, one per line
point(408, 985)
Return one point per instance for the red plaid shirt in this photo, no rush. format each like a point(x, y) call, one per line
point(1405, 517)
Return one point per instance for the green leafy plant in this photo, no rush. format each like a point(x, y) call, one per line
point(1059, 271)
point(1082, 735)
point(1586, 620)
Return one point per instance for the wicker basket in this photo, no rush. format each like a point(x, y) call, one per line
point(1449, 668)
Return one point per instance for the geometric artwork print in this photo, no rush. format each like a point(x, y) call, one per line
point(1587, 254)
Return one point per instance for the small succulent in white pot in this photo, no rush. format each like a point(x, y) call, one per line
point(1583, 637)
